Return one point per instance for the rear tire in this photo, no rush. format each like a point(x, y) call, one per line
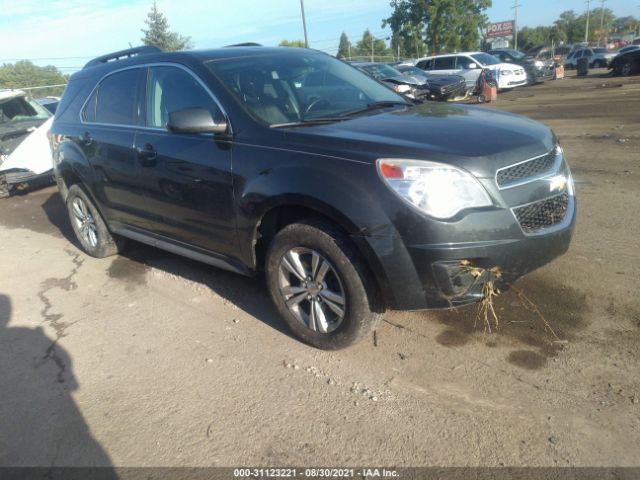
point(89, 227)
point(320, 285)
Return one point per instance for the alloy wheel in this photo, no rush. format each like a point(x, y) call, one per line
point(85, 223)
point(312, 289)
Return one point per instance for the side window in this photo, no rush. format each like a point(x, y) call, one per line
point(425, 64)
point(464, 62)
point(171, 89)
point(444, 63)
point(587, 53)
point(115, 102)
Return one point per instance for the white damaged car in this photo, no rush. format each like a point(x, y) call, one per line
point(470, 64)
point(25, 156)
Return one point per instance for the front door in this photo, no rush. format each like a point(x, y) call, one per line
point(188, 187)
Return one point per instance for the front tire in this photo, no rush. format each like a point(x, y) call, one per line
point(626, 68)
point(89, 227)
point(320, 286)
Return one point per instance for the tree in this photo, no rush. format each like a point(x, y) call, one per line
point(569, 23)
point(371, 46)
point(292, 43)
point(24, 74)
point(158, 32)
point(626, 25)
point(441, 25)
point(600, 22)
point(344, 50)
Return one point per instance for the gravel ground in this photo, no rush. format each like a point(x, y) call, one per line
point(149, 359)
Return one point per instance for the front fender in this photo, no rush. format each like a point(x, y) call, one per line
point(347, 192)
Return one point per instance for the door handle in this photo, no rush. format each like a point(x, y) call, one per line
point(147, 156)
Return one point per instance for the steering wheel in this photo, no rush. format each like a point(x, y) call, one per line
point(315, 103)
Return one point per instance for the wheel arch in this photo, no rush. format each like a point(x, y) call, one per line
point(283, 212)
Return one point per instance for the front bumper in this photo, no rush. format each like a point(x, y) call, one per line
point(426, 263)
point(512, 81)
point(437, 275)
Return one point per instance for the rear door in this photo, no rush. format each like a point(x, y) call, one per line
point(109, 121)
point(188, 187)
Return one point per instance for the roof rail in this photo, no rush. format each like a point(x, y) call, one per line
point(130, 52)
point(246, 44)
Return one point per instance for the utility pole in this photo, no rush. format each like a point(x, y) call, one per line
point(601, 22)
point(586, 30)
point(372, 39)
point(515, 23)
point(304, 24)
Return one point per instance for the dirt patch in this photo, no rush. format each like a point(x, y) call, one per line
point(527, 359)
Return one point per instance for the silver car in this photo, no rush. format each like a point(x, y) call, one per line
point(598, 57)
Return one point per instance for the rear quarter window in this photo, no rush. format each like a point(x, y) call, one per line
point(115, 100)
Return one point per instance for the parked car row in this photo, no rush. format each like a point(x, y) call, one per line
point(414, 83)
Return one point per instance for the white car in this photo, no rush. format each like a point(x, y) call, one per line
point(470, 64)
point(25, 156)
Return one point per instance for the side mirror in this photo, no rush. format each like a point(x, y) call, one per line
point(472, 66)
point(194, 120)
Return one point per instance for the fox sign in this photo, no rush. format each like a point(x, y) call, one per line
point(500, 29)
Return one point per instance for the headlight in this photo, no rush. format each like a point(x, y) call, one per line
point(402, 88)
point(506, 72)
point(538, 64)
point(436, 189)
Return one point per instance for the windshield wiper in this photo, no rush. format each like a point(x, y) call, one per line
point(374, 106)
point(306, 122)
point(341, 116)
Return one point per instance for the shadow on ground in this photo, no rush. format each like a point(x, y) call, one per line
point(40, 424)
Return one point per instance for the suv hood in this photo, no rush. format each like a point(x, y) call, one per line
point(477, 139)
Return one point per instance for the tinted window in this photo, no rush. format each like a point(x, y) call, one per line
point(89, 112)
point(444, 63)
point(116, 99)
point(587, 53)
point(424, 64)
point(600, 50)
point(171, 89)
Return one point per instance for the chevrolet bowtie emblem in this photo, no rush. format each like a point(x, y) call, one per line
point(559, 182)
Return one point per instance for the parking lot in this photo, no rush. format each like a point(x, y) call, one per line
point(149, 359)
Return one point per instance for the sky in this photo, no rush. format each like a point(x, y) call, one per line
point(68, 33)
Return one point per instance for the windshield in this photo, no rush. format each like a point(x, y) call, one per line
point(20, 109)
point(297, 85)
point(379, 70)
point(485, 59)
point(515, 54)
point(415, 71)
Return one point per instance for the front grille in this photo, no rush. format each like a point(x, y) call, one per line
point(524, 170)
point(543, 214)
